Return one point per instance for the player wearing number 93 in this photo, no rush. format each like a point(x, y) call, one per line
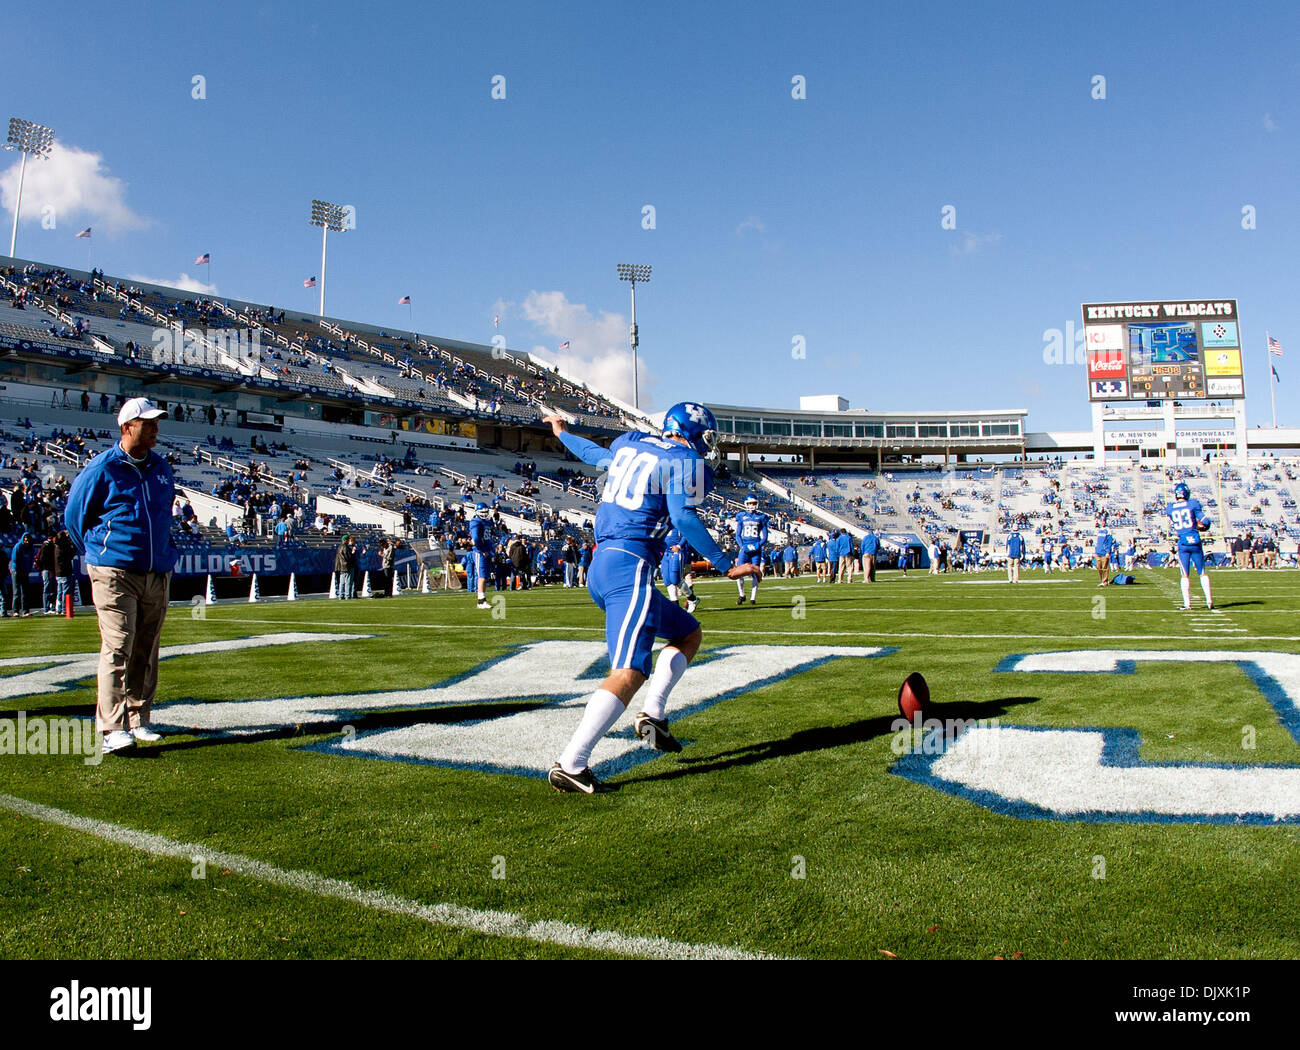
point(1190, 520)
point(655, 482)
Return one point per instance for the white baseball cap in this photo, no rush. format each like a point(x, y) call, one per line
point(139, 408)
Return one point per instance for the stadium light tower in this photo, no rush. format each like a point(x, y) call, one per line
point(327, 217)
point(633, 273)
point(26, 137)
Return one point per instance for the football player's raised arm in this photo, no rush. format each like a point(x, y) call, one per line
point(694, 532)
point(587, 451)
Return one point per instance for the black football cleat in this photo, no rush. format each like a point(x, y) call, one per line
point(655, 732)
point(583, 783)
point(740, 600)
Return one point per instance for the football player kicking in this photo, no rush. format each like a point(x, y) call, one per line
point(653, 481)
point(1190, 520)
point(751, 536)
point(480, 534)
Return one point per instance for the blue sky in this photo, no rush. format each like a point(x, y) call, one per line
point(775, 217)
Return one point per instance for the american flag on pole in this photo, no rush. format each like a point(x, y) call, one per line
point(563, 346)
point(496, 321)
point(404, 301)
point(203, 259)
point(1274, 347)
point(85, 232)
point(309, 283)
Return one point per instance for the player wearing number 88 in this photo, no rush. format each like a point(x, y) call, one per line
point(1190, 520)
point(654, 483)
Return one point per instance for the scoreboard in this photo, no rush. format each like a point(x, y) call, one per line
point(1158, 350)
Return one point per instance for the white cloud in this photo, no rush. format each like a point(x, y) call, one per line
point(751, 222)
point(1269, 123)
point(598, 352)
point(79, 188)
point(184, 283)
point(972, 243)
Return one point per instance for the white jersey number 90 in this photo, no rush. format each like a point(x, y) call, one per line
point(628, 475)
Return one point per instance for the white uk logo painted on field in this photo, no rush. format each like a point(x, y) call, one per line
point(1099, 775)
point(558, 675)
point(59, 671)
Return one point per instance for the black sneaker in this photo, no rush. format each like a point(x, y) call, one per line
point(655, 731)
point(584, 783)
point(740, 600)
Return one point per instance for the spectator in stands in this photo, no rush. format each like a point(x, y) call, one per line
point(18, 502)
point(569, 555)
point(20, 561)
point(45, 565)
point(584, 562)
point(345, 565)
point(388, 567)
point(64, 553)
point(6, 586)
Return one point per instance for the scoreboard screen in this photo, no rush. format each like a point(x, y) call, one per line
point(1153, 351)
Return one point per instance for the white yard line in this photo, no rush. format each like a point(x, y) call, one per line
point(710, 629)
point(452, 916)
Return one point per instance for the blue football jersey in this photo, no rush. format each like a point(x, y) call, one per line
point(480, 532)
point(751, 530)
point(645, 470)
point(1184, 514)
point(1015, 546)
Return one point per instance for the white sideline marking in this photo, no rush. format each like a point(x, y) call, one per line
point(710, 629)
point(453, 916)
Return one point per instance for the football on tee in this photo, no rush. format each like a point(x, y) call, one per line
point(913, 695)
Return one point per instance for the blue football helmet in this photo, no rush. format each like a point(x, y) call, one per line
point(481, 510)
point(696, 424)
point(1181, 491)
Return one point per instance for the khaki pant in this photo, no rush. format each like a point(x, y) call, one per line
point(131, 607)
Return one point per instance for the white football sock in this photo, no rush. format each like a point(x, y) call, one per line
point(1205, 586)
point(1187, 591)
point(603, 710)
point(672, 592)
point(753, 588)
point(740, 588)
point(669, 669)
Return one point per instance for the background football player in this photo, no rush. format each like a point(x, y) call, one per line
point(751, 536)
point(480, 556)
point(1190, 520)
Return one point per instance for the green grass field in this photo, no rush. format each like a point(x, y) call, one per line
point(784, 827)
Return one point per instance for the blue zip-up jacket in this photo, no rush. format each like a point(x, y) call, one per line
point(120, 515)
point(21, 557)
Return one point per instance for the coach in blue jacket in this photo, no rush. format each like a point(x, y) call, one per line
point(119, 516)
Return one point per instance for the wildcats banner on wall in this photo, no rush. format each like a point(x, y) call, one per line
point(236, 561)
